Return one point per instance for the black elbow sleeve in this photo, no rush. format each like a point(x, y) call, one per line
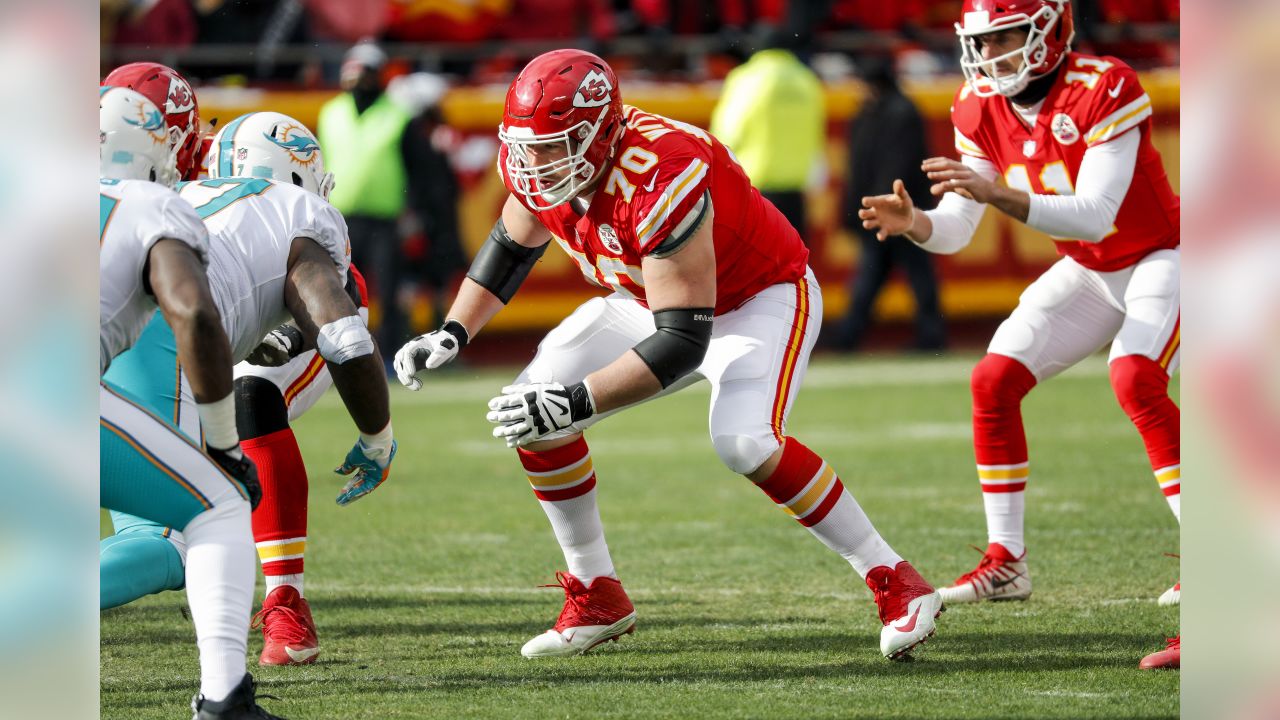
point(502, 264)
point(680, 343)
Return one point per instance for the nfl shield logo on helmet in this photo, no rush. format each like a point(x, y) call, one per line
point(1064, 129)
point(593, 91)
point(609, 239)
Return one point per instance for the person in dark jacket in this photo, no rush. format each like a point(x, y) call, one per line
point(887, 141)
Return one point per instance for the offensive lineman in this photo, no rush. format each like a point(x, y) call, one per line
point(1071, 136)
point(709, 282)
point(153, 250)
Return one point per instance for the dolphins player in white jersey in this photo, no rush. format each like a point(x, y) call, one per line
point(153, 250)
point(278, 252)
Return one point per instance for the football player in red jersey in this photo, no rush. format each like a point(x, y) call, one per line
point(708, 281)
point(1070, 134)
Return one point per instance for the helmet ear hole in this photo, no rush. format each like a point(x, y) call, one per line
point(297, 179)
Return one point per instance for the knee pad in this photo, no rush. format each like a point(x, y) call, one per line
point(743, 453)
point(260, 408)
point(1000, 381)
point(1138, 382)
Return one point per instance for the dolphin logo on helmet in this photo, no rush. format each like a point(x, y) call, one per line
point(296, 140)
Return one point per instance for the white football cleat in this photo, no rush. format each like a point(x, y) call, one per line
point(590, 616)
point(1172, 596)
point(999, 576)
point(908, 607)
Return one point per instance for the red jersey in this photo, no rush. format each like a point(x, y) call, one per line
point(665, 177)
point(1093, 101)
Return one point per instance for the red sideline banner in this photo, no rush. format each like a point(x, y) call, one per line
point(984, 280)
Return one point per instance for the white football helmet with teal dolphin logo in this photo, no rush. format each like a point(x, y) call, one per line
point(133, 139)
point(270, 145)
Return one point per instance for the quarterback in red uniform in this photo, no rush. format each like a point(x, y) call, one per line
point(1070, 134)
point(709, 282)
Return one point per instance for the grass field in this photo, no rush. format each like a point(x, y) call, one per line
point(424, 591)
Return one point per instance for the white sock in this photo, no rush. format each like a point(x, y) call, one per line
point(220, 574)
point(1005, 512)
point(1170, 481)
point(576, 523)
point(275, 581)
point(848, 531)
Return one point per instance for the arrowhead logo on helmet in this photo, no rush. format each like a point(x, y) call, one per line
point(180, 98)
point(593, 91)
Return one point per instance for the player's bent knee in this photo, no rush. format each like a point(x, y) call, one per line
point(260, 408)
point(999, 381)
point(1138, 382)
point(744, 453)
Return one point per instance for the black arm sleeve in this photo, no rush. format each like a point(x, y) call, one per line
point(680, 343)
point(502, 263)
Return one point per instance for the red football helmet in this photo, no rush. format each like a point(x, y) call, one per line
point(171, 93)
point(564, 96)
point(1050, 30)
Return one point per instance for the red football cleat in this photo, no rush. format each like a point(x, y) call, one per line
point(908, 607)
point(590, 616)
point(288, 632)
point(1169, 658)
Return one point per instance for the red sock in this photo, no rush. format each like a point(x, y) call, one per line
point(280, 522)
point(1142, 387)
point(564, 481)
point(797, 470)
point(1000, 446)
point(808, 489)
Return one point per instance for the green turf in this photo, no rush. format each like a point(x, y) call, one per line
point(424, 591)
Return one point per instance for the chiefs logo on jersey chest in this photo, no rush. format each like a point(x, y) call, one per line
point(593, 91)
point(609, 238)
point(1064, 129)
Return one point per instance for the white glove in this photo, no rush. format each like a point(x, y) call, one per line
point(529, 412)
point(278, 347)
point(428, 352)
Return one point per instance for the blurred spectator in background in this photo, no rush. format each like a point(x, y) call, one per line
point(362, 132)
point(167, 23)
point(887, 141)
point(772, 115)
point(434, 248)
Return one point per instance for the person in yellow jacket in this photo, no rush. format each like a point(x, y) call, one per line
point(361, 132)
point(772, 115)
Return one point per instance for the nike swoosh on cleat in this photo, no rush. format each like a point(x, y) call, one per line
point(301, 655)
point(910, 624)
point(997, 584)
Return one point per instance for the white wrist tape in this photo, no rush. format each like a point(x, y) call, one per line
point(218, 423)
point(344, 339)
point(378, 445)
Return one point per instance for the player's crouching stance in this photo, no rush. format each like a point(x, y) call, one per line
point(279, 251)
point(153, 250)
point(1071, 136)
point(710, 282)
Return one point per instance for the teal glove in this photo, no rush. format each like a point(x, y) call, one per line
point(370, 472)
